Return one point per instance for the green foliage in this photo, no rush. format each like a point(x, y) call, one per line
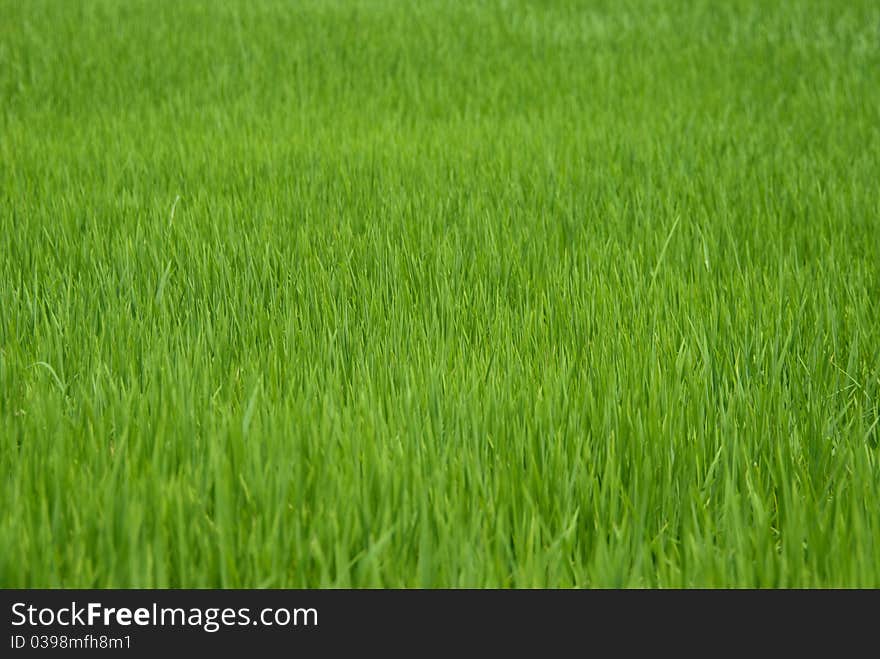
point(505, 294)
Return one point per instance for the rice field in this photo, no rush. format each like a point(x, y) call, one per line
point(500, 294)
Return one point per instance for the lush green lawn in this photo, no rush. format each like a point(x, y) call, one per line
point(439, 293)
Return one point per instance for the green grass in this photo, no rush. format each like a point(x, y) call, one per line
point(440, 293)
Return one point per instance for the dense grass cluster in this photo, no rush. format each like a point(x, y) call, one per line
point(379, 293)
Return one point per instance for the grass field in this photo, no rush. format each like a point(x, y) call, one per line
point(484, 294)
